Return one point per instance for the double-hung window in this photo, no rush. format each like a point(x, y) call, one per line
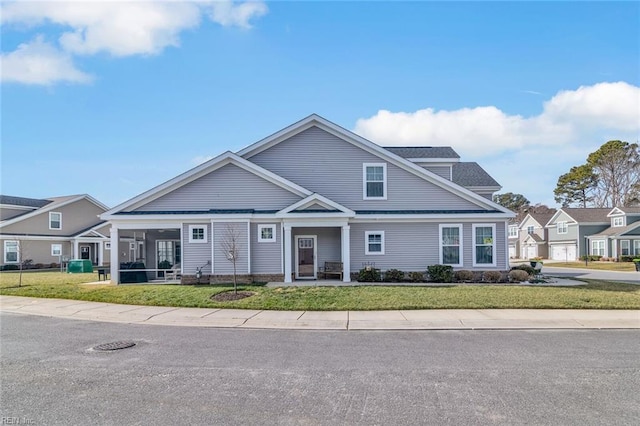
point(562, 227)
point(618, 221)
point(484, 247)
point(636, 248)
point(625, 248)
point(56, 250)
point(11, 251)
point(374, 176)
point(597, 247)
point(513, 231)
point(197, 233)
point(451, 245)
point(55, 220)
point(374, 242)
point(530, 229)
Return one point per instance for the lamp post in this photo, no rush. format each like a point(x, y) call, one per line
point(586, 251)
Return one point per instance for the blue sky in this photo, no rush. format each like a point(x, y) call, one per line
point(111, 99)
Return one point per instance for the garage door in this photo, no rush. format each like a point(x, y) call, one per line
point(564, 252)
point(532, 252)
point(512, 252)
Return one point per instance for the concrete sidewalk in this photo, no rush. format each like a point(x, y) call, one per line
point(435, 319)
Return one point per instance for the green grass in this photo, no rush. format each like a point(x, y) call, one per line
point(592, 295)
point(601, 266)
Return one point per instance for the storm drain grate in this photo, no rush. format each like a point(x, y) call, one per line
point(114, 346)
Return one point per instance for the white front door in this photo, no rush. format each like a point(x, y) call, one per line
point(306, 256)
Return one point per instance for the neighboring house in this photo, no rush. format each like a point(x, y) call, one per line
point(50, 230)
point(569, 227)
point(513, 235)
point(621, 238)
point(314, 193)
point(533, 236)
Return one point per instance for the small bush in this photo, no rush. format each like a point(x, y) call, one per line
point(27, 264)
point(440, 273)
point(38, 266)
point(371, 275)
point(518, 275)
point(463, 276)
point(626, 258)
point(491, 276)
point(9, 268)
point(54, 265)
point(393, 276)
point(416, 277)
point(591, 258)
point(528, 269)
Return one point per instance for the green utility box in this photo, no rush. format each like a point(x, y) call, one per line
point(78, 266)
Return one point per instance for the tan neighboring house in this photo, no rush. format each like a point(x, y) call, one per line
point(50, 230)
point(533, 236)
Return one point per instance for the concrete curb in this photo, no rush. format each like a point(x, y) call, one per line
point(436, 319)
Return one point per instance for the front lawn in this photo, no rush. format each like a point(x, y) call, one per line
point(601, 266)
point(591, 295)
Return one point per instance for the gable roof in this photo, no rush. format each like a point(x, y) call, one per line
point(617, 211)
point(316, 199)
point(202, 170)
point(35, 203)
point(472, 175)
point(368, 146)
point(424, 152)
point(55, 203)
point(617, 230)
point(583, 215)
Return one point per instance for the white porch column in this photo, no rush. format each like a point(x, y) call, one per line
point(287, 253)
point(346, 254)
point(100, 253)
point(115, 260)
point(76, 250)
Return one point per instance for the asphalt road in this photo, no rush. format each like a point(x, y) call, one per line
point(175, 375)
point(627, 277)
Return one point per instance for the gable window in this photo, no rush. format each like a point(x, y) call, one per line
point(374, 181)
point(484, 248)
point(597, 247)
point(636, 248)
point(197, 234)
point(625, 248)
point(530, 229)
point(451, 245)
point(11, 254)
point(55, 220)
point(56, 249)
point(374, 242)
point(513, 231)
point(618, 221)
point(562, 227)
point(267, 233)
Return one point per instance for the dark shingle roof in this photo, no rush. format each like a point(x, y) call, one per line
point(423, 151)
point(589, 215)
point(22, 201)
point(630, 210)
point(543, 218)
point(471, 174)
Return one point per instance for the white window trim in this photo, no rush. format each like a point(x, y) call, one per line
point(52, 213)
point(613, 221)
point(6, 243)
point(59, 246)
point(628, 243)
point(533, 229)
point(440, 245)
point(636, 248)
point(562, 228)
point(515, 229)
point(598, 242)
point(366, 243)
point(364, 180)
point(194, 227)
point(107, 245)
point(273, 232)
point(494, 256)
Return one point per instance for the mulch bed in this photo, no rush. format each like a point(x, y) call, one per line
point(228, 296)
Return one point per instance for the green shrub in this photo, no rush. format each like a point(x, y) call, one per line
point(463, 276)
point(591, 258)
point(518, 275)
point(528, 269)
point(416, 277)
point(9, 267)
point(393, 276)
point(369, 275)
point(491, 276)
point(626, 258)
point(440, 273)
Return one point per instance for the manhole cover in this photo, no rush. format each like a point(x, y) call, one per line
point(114, 346)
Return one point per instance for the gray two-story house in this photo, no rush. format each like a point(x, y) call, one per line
point(312, 193)
point(621, 238)
point(569, 228)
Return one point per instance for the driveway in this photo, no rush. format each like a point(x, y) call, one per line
point(627, 277)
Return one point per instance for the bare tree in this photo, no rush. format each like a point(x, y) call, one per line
point(229, 246)
point(22, 252)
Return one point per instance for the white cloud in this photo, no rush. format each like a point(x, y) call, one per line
point(483, 131)
point(124, 28)
point(38, 62)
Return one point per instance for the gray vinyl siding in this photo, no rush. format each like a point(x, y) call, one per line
point(330, 166)
point(572, 231)
point(229, 187)
point(329, 247)
point(266, 257)
point(76, 217)
point(37, 250)
point(9, 213)
point(414, 246)
point(221, 265)
point(196, 255)
point(588, 230)
point(443, 171)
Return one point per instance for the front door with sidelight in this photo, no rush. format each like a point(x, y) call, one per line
point(306, 259)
